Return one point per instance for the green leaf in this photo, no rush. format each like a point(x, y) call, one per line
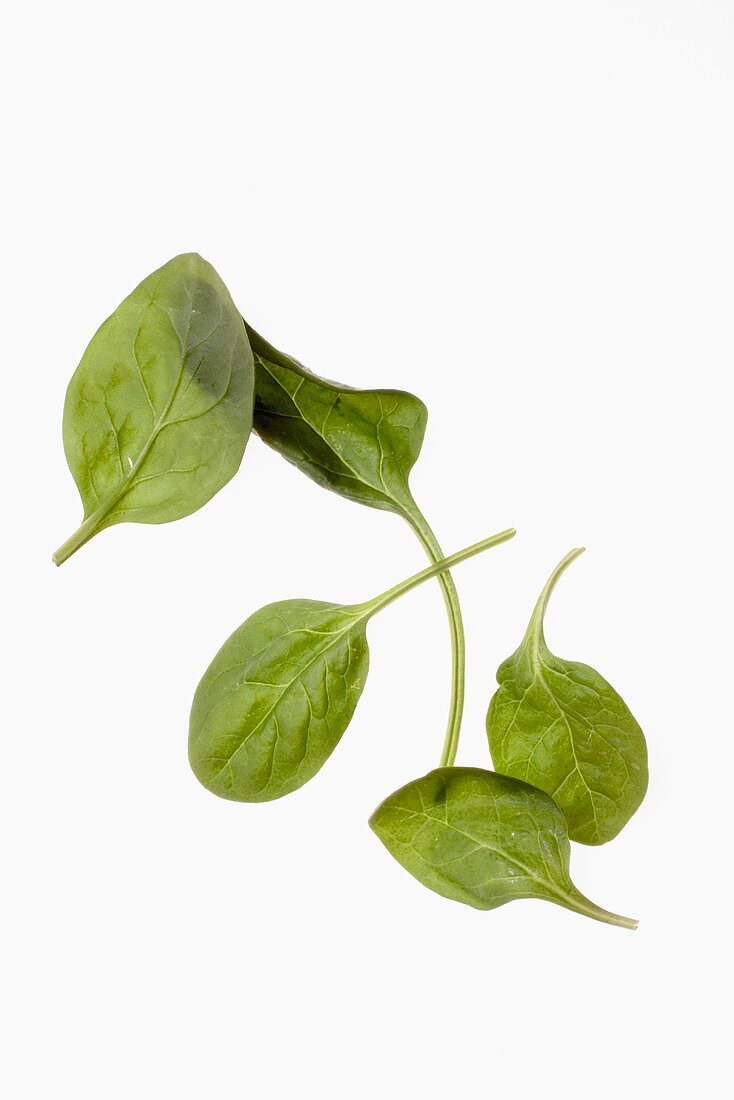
point(158, 412)
point(559, 725)
point(276, 699)
point(483, 839)
point(361, 444)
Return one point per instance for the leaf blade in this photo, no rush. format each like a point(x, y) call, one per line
point(483, 839)
point(158, 412)
point(274, 703)
point(361, 444)
point(560, 726)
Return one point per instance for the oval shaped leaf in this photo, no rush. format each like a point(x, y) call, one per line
point(158, 412)
point(483, 839)
point(276, 699)
point(559, 725)
point(361, 444)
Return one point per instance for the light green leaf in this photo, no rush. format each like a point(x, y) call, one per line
point(483, 839)
point(158, 412)
point(276, 699)
point(559, 725)
point(361, 444)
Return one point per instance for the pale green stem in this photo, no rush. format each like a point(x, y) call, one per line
point(456, 628)
point(373, 606)
point(534, 632)
point(582, 905)
point(83, 534)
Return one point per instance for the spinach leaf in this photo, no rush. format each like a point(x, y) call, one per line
point(483, 839)
point(276, 699)
point(159, 410)
point(363, 445)
point(559, 725)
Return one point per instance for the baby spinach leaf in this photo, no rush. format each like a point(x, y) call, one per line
point(361, 444)
point(158, 412)
point(483, 839)
point(276, 699)
point(559, 725)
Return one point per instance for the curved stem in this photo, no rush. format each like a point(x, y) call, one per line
point(535, 626)
point(386, 598)
point(431, 545)
point(579, 904)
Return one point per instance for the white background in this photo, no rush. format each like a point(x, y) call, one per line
point(523, 213)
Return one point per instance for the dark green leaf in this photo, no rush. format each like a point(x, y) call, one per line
point(158, 412)
point(361, 444)
point(559, 725)
point(483, 839)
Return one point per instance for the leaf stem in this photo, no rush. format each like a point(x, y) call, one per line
point(580, 904)
point(420, 526)
point(373, 606)
point(535, 626)
point(83, 534)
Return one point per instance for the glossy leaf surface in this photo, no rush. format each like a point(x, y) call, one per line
point(361, 444)
point(158, 412)
point(483, 839)
point(559, 725)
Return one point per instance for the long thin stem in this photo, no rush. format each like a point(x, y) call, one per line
point(456, 629)
point(373, 606)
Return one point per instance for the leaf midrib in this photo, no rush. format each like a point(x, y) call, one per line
point(116, 496)
point(286, 688)
point(537, 664)
point(550, 886)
